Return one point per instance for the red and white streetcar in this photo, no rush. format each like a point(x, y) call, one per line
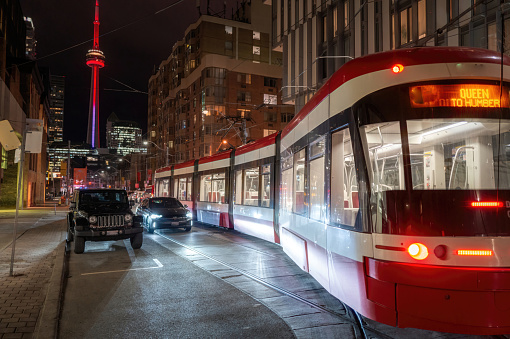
point(391, 187)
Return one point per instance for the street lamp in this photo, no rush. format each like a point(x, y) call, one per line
point(147, 142)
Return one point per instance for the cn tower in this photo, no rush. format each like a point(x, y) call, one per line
point(95, 60)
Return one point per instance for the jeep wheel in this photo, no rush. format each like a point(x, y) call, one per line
point(187, 229)
point(136, 241)
point(79, 245)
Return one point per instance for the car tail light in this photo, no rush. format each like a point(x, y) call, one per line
point(475, 253)
point(418, 251)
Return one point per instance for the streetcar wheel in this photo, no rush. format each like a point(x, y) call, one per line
point(187, 229)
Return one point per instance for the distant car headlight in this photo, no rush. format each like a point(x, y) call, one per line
point(156, 216)
point(189, 215)
point(128, 217)
point(93, 219)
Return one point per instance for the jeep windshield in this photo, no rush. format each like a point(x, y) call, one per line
point(102, 197)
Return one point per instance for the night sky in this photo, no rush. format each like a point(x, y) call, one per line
point(134, 37)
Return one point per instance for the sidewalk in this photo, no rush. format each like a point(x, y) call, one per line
point(29, 300)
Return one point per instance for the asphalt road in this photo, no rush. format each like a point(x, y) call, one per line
point(114, 291)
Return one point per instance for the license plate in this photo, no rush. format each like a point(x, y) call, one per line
point(175, 224)
point(112, 232)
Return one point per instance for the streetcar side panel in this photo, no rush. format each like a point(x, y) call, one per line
point(254, 189)
point(213, 198)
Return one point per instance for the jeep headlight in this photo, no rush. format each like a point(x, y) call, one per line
point(189, 215)
point(128, 217)
point(156, 216)
point(92, 219)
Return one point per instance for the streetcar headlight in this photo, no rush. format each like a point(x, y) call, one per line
point(128, 217)
point(93, 219)
point(156, 216)
point(418, 251)
point(189, 215)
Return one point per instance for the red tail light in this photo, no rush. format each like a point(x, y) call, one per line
point(486, 204)
point(478, 253)
point(397, 68)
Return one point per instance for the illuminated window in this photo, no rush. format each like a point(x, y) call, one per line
point(298, 205)
point(344, 188)
point(406, 26)
point(256, 50)
point(317, 149)
point(228, 29)
point(256, 35)
point(422, 19)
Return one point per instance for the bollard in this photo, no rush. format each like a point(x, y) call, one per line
point(55, 209)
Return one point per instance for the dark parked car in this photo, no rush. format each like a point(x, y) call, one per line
point(102, 214)
point(164, 212)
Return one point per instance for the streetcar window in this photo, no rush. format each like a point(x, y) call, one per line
point(266, 186)
point(317, 209)
point(188, 188)
point(183, 188)
point(251, 187)
point(181, 193)
point(384, 146)
point(286, 184)
point(164, 188)
point(459, 154)
point(212, 188)
point(299, 206)
point(239, 188)
point(344, 187)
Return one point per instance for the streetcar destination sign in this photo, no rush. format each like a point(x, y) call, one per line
point(462, 95)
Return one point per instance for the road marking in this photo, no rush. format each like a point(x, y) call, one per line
point(129, 269)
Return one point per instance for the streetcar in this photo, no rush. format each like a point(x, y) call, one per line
point(391, 187)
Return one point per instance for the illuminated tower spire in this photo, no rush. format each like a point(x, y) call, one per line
point(95, 60)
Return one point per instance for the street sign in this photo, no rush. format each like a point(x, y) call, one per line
point(8, 137)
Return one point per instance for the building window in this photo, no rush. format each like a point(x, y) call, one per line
point(406, 26)
point(346, 14)
point(335, 21)
point(269, 132)
point(243, 96)
point(228, 45)
point(422, 19)
point(256, 50)
point(228, 30)
point(324, 29)
point(269, 82)
point(256, 35)
point(269, 117)
point(287, 117)
point(270, 99)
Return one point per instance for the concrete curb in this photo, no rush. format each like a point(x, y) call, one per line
point(47, 322)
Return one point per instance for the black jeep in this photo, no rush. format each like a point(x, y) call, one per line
point(101, 215)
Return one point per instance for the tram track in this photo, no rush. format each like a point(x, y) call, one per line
point(352, 317)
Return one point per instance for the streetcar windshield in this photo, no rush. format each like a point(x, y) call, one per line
point(459, 154)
